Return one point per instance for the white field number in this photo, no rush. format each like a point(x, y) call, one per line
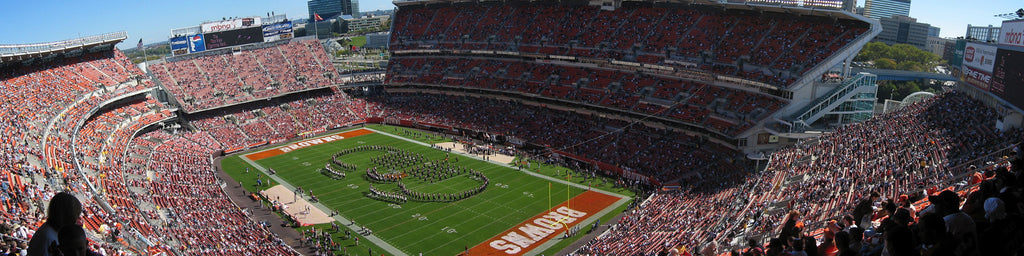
point(449, 230)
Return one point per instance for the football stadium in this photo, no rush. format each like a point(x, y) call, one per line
point(692, 127)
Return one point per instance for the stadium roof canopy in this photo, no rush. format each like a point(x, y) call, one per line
point(19, 52)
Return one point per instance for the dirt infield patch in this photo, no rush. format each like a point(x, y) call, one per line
point(296, 206)
point(305, 143)
point(533, 232)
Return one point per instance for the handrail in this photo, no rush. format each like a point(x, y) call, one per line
point(856, 81)
point(18, 49)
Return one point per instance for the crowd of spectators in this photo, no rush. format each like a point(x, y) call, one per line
point(192, 214)
point(720, 109)
point(210, 81)
point(65, 134)
point(162, 186)
point(754, 44)
point(895, 154)
point(281, 118)
point(608, 140)
point(44, 103)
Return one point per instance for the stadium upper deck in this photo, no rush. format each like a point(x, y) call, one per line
point(207, 81)
point(724, 68)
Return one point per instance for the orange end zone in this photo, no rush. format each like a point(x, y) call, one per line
point(306, 143)
point(537, 230)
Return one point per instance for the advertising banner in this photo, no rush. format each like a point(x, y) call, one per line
point(196, 43)
point(981, 57)
point(179, 45)
point(1011, 33)
point(215, 26)
point(233, 37)
point(976, 77)
point(277, 31)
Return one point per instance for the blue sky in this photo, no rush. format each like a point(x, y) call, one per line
point(53, 20)
point(37, 21)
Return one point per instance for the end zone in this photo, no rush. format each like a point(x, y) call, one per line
point(533, 232)
point(305, 143)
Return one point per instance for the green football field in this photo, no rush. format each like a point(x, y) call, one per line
point(431, 228)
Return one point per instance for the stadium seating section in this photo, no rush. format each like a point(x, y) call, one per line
point(86, 123)
point(70, 121)
point(894, 154)
point(212, 81)
point(767, 47)
point(724, 110)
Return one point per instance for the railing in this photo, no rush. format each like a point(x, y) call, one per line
point(18, 49)
point(816, 4)
point(834, 95)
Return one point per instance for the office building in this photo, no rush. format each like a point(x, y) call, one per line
point(878, 9)
point(350, 24)
point(934, 31)
point(331, 8)
point(984, 34)
point(903, 30)
point(937, 45)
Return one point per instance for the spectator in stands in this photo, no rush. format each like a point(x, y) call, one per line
point(789, 229)
point(64, 210)
point(862, 212)
point(958, 224)
point(711, 249)
point(933, 236)
point(995, 234)
point(73, 241)
point(755, 247)
point(843, 244)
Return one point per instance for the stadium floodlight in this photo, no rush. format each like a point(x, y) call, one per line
point(1019, 14)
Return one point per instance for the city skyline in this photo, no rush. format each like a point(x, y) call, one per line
point(56, 20)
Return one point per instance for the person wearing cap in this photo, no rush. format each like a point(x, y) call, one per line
point(993, 233)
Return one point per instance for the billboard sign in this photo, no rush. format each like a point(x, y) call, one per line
point(196, 43)
point(981, 57)
point(234, 37)
point(976, 77)
point(1008, 77)
point(179, 45)
point(1012, 33)
point(215, 26)
point(277, 31)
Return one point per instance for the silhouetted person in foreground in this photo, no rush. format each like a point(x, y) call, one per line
point(64, 210)
point(73, 241)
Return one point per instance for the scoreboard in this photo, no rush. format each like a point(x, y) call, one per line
point(1008, 77)
point(234, 37)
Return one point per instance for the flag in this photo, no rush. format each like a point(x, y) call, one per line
point(316, 17)
point(140, 44)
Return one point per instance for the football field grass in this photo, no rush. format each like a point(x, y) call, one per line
point(510, 198)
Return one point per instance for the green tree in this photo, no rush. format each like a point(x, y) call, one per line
point(898, 56)
point(884, 63)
